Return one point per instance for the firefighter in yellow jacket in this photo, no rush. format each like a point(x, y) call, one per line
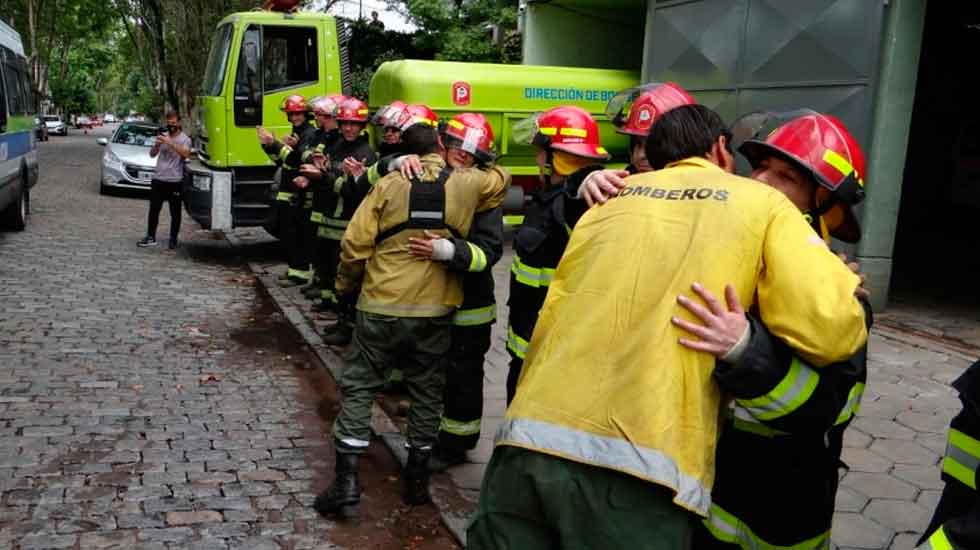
point(610, 441)
point(405, 307)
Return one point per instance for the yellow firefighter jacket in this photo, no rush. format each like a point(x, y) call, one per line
point(605, 381)
point(396, 283)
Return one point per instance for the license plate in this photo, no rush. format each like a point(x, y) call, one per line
point(145, 176)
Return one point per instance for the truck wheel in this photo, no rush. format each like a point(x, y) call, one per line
point(15, 216)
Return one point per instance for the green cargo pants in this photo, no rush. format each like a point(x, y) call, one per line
point(532, 501)
point(419, 346)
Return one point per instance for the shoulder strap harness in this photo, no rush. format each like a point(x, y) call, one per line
point(426, 207)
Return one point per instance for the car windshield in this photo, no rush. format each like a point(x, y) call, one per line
point(142, 136)
point(51, 118)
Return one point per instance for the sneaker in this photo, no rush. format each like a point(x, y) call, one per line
point(173, 244)
point(147, 241)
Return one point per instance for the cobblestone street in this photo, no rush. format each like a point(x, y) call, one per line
point(152, 399)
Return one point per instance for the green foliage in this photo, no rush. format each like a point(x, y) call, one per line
point(464, 30)
point(122, 55)
point(451, 31)
point(369, 47)
point(66, 45)
point(74, 89)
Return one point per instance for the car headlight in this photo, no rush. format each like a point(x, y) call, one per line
point(201, 182)
point(111, 160)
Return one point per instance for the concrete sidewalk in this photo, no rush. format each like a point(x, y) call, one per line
point(893, 448)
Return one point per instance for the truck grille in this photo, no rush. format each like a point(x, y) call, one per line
point(344, 33)
point(133, 172)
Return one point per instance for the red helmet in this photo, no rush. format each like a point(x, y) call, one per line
point(389, 115)
point(566, 128)
point(822, 147)
point(633, 111)
point(294, 104)
point(412, 114)
point(352, 110)
point(421, 113)
point(472, 133)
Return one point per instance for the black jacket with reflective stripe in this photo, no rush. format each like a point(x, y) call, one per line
point(290, 165)
point(487, 235)
point(958, 511)
point(783, 486)
point(539, 243)
point(327, 198)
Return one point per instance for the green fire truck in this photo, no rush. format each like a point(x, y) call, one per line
point(258, 58)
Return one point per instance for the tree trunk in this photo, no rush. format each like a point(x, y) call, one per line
point(160, 43)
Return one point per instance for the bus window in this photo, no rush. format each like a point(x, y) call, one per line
point(3, 103)
point(18, 88)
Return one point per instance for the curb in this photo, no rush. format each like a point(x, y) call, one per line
point(444, 492)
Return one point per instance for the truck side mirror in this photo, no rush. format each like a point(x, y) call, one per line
point(102, 141)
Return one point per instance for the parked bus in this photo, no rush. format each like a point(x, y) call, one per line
point(18, 146)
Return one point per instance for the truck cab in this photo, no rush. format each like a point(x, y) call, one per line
point(257, 58)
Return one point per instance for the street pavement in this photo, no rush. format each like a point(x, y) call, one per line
point(156, 399)
point(892, 449)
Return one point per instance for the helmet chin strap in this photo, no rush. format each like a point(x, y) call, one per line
point(548, 169)
point(815, 216)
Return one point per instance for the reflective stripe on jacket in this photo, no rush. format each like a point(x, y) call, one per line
point(955, 525)
point(633, 399)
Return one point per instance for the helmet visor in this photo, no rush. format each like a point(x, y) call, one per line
point(757, 125)
point(524, 131)
point(323, 106)
point(618, 108)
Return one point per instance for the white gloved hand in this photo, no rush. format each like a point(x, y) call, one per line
point(443, 250)
point(396, 164)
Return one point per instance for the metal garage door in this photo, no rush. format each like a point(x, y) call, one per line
point(743, 55)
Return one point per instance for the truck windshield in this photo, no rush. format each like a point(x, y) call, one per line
point(214, 75)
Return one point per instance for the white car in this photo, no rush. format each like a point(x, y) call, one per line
point(55, 125)
point(126, 163)
point(109, 118)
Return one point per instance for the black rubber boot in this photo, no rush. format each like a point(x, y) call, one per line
point(291, 282)
point(416, 477)
point(340, 334)
point(311, 291)
point(443, 458)
point(344, 494)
